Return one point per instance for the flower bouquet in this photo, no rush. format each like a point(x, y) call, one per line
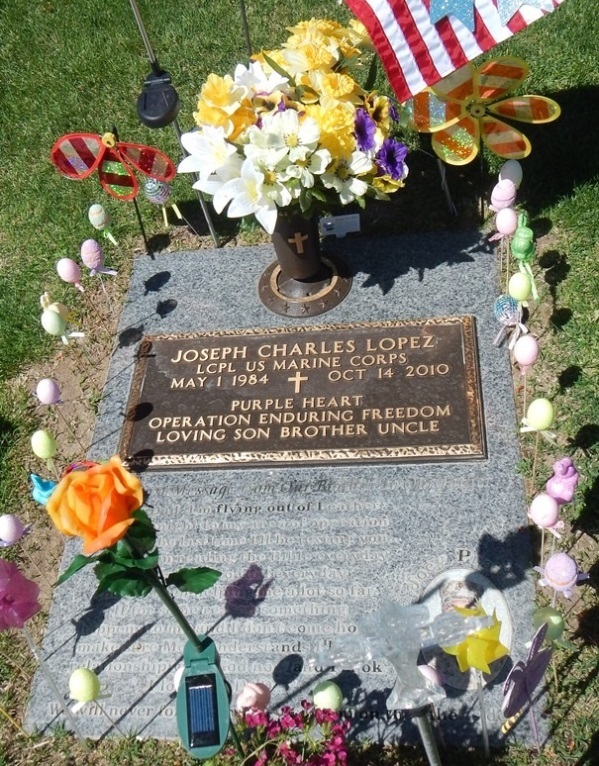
point(294, 131)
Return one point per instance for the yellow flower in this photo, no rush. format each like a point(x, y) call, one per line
point(358, 35)
point(222, 93)
point(336, 129)
point(338, 87)
point(208, 115)
point(386, 184)
point(481, 648)
point(324, 26)
point(306, 57)
point(378, 108)
point(242, 119)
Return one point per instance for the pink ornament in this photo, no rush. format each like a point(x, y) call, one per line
point(506, 221)
point(70, 272)
point(47, 391)
point(253, 697)
point(503, 195)
point(562, 484)
point(544, 512)
point(561, 573)
point(92, 256)
point(12, 529)
point(526, 352)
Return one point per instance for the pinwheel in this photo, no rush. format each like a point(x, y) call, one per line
point(466, 106)
point(78, 155)
point(523, 679)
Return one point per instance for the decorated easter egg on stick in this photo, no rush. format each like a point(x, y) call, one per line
point(84, 685)
point(12, 529)
point(506, 222)
point(503, 195)
point(519, 286)
point(43, 444)
point(554, 620)
point(327, 696)
point(53, 323)
point(526, 352)
point(100, 220)
point(92, 256)
point(511, 171)
point(69, 271)
point(158, 193)
point(561, 573)
point(540, 414)
point(47, 391)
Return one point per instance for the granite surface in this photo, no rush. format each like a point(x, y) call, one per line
point(304, 551)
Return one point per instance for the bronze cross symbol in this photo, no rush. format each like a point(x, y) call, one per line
point(297, 379)
point(298, 241)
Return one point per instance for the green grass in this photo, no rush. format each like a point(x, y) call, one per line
point(79, 66)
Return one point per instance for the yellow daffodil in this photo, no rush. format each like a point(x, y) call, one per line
point(481, 648)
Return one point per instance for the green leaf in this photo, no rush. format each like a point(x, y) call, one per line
point(76, 564)
point(142, 534)
point(279, 70)
point(193, 580)
point(361, 202)
point(305, 200)
point(319, 194)
point(125, 582)
point(372, 72)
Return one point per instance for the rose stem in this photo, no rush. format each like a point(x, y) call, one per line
point(68, 715)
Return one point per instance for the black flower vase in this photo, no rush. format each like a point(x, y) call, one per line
point(301, 282)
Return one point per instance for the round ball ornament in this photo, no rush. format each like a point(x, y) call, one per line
point(327, 696)
point(84, 685)
point(539, 414)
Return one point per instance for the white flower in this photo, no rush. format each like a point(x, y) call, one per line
point(247, 195)
point(286, 130)
point(231, 169)
point(208, 151)
point(342, 177)
point(256, 80)
point(304, 169)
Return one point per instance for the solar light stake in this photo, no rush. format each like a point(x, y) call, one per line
point(158, 106)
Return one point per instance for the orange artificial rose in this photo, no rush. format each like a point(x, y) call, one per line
point(96, 504)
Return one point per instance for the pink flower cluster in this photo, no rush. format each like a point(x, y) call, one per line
point(309, 737)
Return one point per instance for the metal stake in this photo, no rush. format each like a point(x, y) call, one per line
point(157, 70)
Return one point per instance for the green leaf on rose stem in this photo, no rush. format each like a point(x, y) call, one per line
point(142, 534)
point(125, 582)
point(193, 580)
point(76, 564)
point(123, 557)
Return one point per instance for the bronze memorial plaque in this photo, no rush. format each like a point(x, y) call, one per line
point(406, 391)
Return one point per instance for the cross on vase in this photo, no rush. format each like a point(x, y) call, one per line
point(298, 240)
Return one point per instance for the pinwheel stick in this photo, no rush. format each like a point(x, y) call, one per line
point(483, 714)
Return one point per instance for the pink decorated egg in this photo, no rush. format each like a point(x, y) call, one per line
point(68, 270)
point(11, 528)
point(47, 391)
point(506, 221)
point(526, 351)
point(544, 511)
point(92, 254)
point(503, 194)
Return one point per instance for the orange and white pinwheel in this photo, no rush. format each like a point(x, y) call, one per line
point(465, 106)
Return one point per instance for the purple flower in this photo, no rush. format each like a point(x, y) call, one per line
point(364, 129)
point(256, 718)
point(390, 158)
point(324, 716)
point(18, 597)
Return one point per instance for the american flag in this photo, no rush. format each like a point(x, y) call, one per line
point(417, 52)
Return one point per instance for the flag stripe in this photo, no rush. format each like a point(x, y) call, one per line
point(417, 53)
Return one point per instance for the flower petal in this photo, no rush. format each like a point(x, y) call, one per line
point(457, 86)
point(428, 114)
